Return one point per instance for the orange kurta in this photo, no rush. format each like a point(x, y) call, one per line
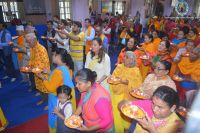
point(39, 58)
point(174, 50)
point(156, 42)
point(124, 34)
point(88, 43)
point(20, 42)
point(150, 49)
point(187, 67)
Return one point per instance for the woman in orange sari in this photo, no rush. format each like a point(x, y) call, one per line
point(177, 43)
point(156, 39)
point(163, 53)
point(131, 46)
point(190, 71)
point(148, 48)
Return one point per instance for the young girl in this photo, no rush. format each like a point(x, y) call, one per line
point(64, 109)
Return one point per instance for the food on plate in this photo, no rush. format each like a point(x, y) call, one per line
point(36, 70)
point(177, 78)
point(144, 57)
point(113, 80)
point(74, 121)
point(25, 69)
point(132, 111)
point(139, 94)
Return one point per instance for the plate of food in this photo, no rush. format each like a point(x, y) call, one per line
point(43, 37)
point(14, 37)
point(177, 78)
point(25, 69)
point(74, 121)
point(139, 94)
point(144, 57)
point(16, 49)
point(37, 70)
point(182, 112)
point(113, 80)
point(132, 111)
point(186, 55)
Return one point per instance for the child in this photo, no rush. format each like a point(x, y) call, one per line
point(64, 109)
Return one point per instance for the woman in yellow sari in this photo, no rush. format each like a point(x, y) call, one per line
point(3, 121)
point(130, 78)
point(160, 111)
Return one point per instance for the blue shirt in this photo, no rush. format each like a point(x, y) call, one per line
point(8, 38)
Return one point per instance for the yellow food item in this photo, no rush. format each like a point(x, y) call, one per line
point(132, 111)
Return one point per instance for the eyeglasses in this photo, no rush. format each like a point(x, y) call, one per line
point(159, 69)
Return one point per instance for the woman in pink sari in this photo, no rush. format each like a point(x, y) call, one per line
point(95, 104)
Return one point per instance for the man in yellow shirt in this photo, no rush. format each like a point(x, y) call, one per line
point(76, 45)
point(38, 59)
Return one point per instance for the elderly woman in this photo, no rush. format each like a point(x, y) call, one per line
point(130, 77)
point(158, 78)
point(160, 111)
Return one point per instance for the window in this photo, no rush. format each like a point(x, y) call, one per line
point(65, 9)
point(119, 7)
point(8, 9)
point(174, 2)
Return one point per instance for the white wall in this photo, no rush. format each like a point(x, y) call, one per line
point(80, 10)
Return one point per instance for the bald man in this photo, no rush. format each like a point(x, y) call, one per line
point(38, 58)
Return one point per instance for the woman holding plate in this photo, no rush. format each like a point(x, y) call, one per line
point(129, 76)
point(60, 76)
point(158, 78)
point(95, 103)
point(160, 112)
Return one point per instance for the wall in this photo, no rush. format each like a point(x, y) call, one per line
point(51, 10)
point(80, 10)
point(137, 5)
point(98, 5)
point(168, 9)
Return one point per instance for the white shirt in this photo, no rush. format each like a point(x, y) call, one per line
point(101, 69)
point(68, 110)
point(65, 41)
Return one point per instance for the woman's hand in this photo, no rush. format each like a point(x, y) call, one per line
point(56, 110)
point(45, 71)
point(40, 75)
point(124, 81)
point(83, 128)
point(123, 102)
point(147, 124)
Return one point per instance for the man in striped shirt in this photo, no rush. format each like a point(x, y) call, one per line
point(76, 45)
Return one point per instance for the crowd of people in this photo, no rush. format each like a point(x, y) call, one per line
point(162, 63)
